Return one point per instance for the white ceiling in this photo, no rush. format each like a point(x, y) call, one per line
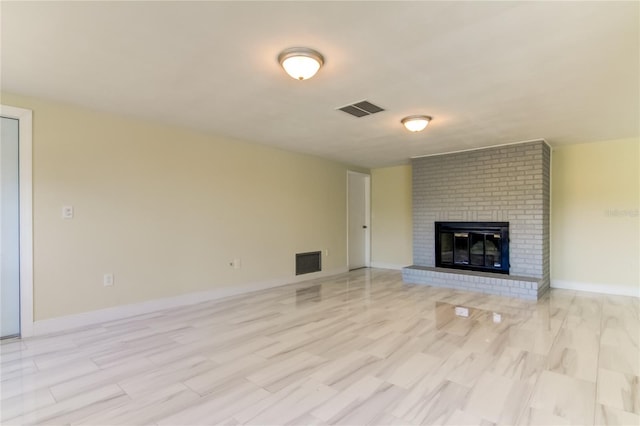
point(488, 72)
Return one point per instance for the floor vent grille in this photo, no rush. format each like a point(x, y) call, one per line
point(308, 262)
point(361, 109)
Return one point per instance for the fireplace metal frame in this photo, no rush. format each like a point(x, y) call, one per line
point(479, 227)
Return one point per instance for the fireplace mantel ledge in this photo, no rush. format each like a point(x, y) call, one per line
point(481, 282)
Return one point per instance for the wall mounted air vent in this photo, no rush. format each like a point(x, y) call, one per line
point(361, 109)
point(308, 262)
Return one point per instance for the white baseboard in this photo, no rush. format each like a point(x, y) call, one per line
point(613, 289)
point(58, 324)
point(383, 265)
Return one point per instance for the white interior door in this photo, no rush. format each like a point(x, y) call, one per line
point(9, 229)
point(358, 219)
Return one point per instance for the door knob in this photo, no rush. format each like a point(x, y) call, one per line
point(364, 226)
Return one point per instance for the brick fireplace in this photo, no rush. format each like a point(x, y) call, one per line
point(508, 184)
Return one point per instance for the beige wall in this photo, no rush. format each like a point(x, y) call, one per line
point(391, 217)
point(595, 195)
point(594, 214)
point(165, 210)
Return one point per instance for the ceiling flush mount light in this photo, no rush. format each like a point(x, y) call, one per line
point(416, 123)
point(300, 63)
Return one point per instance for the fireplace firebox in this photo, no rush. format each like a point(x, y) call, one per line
point(476, 246)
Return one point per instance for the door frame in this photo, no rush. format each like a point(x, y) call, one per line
point(367, 216)
point(25, 170)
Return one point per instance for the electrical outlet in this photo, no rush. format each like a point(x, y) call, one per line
point(462, 311)
point(107, 280)
point(67, 212)
point(237, 263)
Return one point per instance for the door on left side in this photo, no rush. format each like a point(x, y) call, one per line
point(9, 229)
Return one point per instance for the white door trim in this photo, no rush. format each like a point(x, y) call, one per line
point(367, 215)
point(25, 117)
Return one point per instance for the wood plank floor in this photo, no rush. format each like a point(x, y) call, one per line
point(358, 348)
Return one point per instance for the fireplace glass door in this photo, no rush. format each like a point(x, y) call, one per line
point(476, 246)
point(461, 253)
point(446, 247)
point(493, 250)
point(485, 250)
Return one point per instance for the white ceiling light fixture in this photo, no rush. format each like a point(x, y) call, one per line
point(416, 123)
point(300, 63)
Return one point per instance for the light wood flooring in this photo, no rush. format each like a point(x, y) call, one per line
point(354, 349)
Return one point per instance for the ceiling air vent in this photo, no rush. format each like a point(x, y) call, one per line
point(361, 109)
